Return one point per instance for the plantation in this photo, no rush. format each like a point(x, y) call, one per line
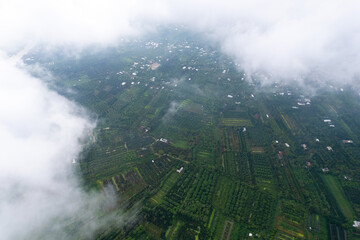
point(200, 153)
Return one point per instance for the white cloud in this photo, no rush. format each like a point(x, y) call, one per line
point(285, 38)
point(74, 22)
point(289, 39)
point(40, 135)
point(174, 107)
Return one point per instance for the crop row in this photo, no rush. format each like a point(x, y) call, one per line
point(262, 167)
point(153, 171)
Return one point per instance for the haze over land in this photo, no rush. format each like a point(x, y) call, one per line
point(286, 39)
point(42, 132)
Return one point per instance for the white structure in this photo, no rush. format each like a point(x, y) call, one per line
point(179, 170)
point(356, 224)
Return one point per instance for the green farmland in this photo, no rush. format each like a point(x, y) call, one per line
point(192, 150)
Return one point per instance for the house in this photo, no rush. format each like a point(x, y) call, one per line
point(347, 178)
point(356, 224)
point(179, 170)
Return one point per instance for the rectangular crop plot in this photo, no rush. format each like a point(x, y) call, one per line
point(336, 190)
point(127, 183)
point(262, 166)
point(236, 122)
point(169, 182)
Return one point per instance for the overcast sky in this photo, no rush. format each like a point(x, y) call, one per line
point(40, 130)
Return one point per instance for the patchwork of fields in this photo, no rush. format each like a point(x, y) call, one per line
point(198, 155)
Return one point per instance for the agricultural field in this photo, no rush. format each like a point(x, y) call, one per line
point(201, 153)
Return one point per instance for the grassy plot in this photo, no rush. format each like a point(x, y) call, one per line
point(169, 182)
point(204, 155)
point(284, 236)
point(335, 189)
point(236, 122)
point(219, 226)
point(211, 218)
point(222, 190)
point(153, 230)
point(288, 122)
point(348, 130)
point(230, 164)
point(180, 144)
point(194, 108)
point(172, 232)
point(257, 149)
point(289, 228)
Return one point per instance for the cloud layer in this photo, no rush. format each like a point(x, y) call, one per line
point(287, 39)
point(40, 135)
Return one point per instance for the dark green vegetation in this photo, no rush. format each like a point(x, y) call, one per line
point(253, 164)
